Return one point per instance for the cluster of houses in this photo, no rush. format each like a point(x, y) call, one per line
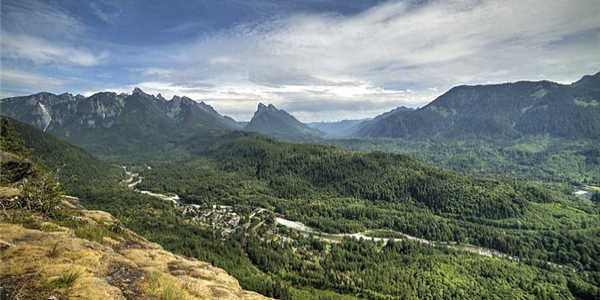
point(225, 218)
point(222, 217)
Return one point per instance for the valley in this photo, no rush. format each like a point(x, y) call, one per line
point(299, 150)
point(469, 215)
point(129, 181)
point(227, 219)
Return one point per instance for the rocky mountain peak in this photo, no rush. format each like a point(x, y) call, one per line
point(270, 107)
point(278, 123)
point(138, 91)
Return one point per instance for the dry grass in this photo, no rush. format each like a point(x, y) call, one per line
point(37, 264)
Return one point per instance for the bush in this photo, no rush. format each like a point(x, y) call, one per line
point(42, 193)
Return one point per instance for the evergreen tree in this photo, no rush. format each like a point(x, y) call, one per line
point(596, 197)
point(10, 139)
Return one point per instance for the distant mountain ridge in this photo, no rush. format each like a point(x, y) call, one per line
point(278, 123)
point(509, 110)
point(108, 122)
point(348, 128)
point(342, 128)
point(588, 82)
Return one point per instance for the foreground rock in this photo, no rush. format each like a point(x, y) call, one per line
point(51, 262)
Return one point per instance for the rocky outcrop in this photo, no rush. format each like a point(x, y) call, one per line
point(13, 168)
point(53, 263)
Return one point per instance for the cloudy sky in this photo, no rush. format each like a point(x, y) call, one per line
point(317, 59)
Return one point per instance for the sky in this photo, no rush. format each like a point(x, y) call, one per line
point(320, 60)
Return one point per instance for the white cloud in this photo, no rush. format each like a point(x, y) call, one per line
point(44, 34)
point(374, 57)
point(42, 51)
point(41, 19)
point(307, 103)
point(14, 77)
point(325, 66)
point(107, 10)
point(17, 83)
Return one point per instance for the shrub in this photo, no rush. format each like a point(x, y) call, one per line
point(42, 193)
point(64, 281)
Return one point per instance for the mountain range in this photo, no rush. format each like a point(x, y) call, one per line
point(509, 110)
point(116, 124)
point(108, 123)
point(208, 160)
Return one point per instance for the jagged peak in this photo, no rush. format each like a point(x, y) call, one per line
point(137, 91)
point(66, 95)
point(185, 100)
point(270, 107)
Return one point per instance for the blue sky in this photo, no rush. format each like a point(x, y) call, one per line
point(317, 59)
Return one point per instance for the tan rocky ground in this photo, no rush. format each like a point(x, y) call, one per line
point(52, 263)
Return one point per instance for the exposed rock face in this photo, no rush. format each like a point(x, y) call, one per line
point(108, 123)
point(131, 268)
point(54, 112)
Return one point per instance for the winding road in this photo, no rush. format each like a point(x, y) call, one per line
point(337, 237)
point(175, 198)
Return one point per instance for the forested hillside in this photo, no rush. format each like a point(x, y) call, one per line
point(76, 168)
point(53, 248)
point(501, 111)
point(337, 191)
point(534, 158)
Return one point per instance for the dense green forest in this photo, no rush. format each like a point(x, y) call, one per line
point(338, 191)
point(499, 111)
point(530, 158)
point(76, 168)
point(407, 270)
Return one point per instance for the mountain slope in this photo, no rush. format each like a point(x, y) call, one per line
point(509, 110)
point(348, 128)
point(109, 123)
point(589, 82)
point(278, 123)
point(75, 167)
point(51, 247)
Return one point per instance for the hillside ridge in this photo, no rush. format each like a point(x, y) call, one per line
point(507, 111)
